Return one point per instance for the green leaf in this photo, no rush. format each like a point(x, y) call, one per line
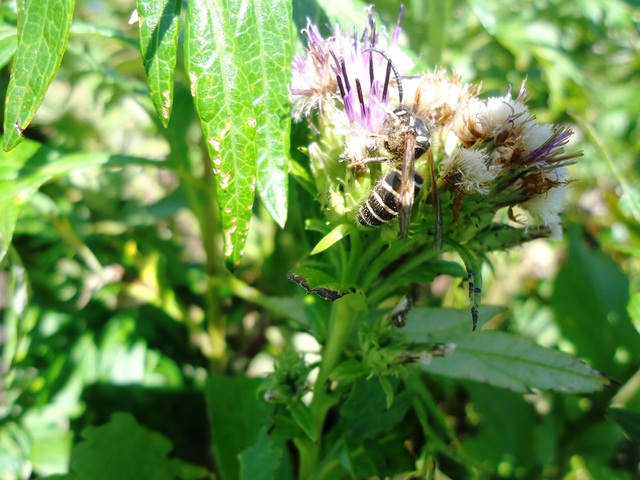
point(302, 415)
point(261, 460)
point(590, 299)
point(140, 453)
point(43, 28)
point(303, 177)
point(366, 411)
point(237, 415)
point(159, 27)
point(232, 50)
point(514, 363)
point(320, 283)
point(219, 41)
point(25, 169)
point(506, 428)
point(348, 371)
point(271, 100)
point(629, 422)
point(389, 390)
point(332, 237)
point(425, 325)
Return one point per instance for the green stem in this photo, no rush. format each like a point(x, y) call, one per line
point(355, 252)
point(383, 260)
point(343, 316)
point(386, 286)
point(212, 243)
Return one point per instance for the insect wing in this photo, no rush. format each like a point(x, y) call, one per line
point(407, 185)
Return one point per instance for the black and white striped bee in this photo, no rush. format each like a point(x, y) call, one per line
point(406, 139)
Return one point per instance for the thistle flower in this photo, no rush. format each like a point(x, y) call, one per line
point(489, 153)
point(440, 97)
point(497, 118)
point(546, 207)
point(470, 170)
point(348, 70)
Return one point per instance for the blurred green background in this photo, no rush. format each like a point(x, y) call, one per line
point(101, 291)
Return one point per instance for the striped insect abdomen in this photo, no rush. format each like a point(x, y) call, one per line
point(383, 202)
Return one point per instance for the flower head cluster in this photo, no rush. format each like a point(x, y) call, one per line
point(489, 153)
point(349, 81)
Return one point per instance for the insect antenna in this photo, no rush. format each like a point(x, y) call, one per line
point(390, 66)
point(338, 77)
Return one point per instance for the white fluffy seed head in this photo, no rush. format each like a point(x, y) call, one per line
point(535, 135)
point(470, 170)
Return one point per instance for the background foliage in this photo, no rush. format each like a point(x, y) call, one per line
point(119, 313)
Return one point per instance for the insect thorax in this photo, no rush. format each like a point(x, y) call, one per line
point(397, 126)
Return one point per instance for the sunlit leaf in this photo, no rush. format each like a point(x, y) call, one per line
point(43, 28)
point(332, 237)
point(271, 100)
point(159, 28)
point(219, 37)
point(230, 58)
point(514, 363)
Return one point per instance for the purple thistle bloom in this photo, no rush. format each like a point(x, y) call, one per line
point(552, 151)
point(348, 69)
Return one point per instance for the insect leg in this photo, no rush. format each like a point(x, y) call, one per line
point(439, 235)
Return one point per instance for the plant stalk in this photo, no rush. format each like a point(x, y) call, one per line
point(344, 312)
point(212, 243)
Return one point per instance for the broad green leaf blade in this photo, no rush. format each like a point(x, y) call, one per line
point(220, 53)
point(237, 414)
point(514, 363)
point(43, 28)
point(159, 28)
point(25, 169)
point(262, 459)
point(140, 453)
point(366, 412)
point(590, 299)
point(271, 100)
point(428, 325)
